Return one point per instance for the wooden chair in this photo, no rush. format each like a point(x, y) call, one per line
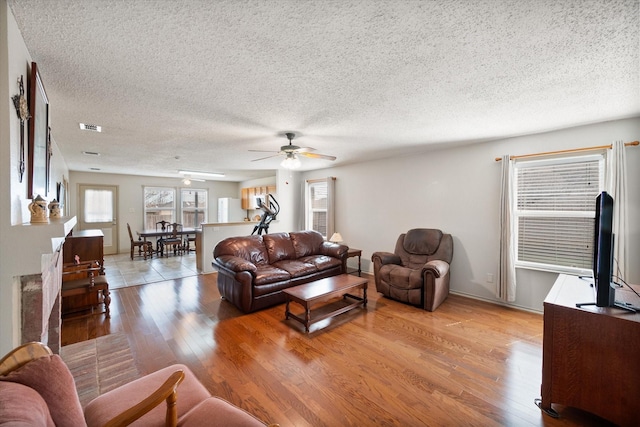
point(188, 241)
point(84, 288)
point(161, 226)
point(173, 240)
point(144, 248)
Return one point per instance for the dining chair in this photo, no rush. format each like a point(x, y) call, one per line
point(161, 226)
point(172, 239)
point(144, 247)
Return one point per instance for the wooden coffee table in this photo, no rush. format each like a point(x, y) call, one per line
point(309, 293)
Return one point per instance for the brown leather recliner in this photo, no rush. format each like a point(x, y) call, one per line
point(418, 272)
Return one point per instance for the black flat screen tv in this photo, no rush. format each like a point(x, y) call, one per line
point(603, 239)
point(603, 252)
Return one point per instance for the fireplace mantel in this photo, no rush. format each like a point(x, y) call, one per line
point(35, 242)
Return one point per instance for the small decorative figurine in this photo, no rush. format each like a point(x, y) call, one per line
point(38, 209)
point(54, 209)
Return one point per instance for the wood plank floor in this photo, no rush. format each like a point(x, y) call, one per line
point(469, 363)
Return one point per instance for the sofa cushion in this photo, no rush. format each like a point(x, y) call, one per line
point(322, 262)
point(266, 274)
point(306, 242)
point(296, 268)
point(279, 247)
point(106, 406)
point(218, 412)
point(250, 248)
point(51, 378)
point(22, 406)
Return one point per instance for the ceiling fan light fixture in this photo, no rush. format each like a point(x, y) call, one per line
point(291, 161)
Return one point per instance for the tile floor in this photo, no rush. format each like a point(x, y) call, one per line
point(121, 271)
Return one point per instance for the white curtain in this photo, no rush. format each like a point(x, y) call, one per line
point(616, 184)
point(506, 283)
point(331, 206)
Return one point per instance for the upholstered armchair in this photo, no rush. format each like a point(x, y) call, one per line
point(418, 271)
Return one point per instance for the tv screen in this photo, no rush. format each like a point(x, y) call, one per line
point(603, 251)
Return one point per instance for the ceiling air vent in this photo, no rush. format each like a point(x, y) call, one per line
point(90, 153)
point(92, 128)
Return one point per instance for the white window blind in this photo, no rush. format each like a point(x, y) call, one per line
point(317, 207)
point(555, 210)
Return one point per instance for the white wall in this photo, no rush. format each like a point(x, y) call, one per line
point(457, 190)
point(15, 61)
point(130, 197)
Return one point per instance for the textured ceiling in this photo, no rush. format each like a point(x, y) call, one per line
point(196, 84)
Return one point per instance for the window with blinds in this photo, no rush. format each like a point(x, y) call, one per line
point(554, 212)
point(316, 217)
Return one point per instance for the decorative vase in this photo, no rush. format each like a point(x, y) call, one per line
point(38, 209)
point(54, 209)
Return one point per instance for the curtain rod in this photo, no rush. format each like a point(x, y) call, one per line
point(574, 150)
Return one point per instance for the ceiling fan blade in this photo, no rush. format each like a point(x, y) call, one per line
point(263, 151)
point(317, 156)
point(264, 158)
point(305, 149)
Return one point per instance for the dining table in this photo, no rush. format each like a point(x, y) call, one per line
point(158, 234)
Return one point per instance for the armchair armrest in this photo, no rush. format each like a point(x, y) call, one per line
point(166, 392)
point(438, 268)
point(235, 264)
point(22, 355)
point(386, 258)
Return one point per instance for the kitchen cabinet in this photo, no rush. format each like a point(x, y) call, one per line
point(250, 194)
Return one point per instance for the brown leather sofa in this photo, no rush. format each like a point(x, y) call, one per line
point(418, 271)
point(253, 270)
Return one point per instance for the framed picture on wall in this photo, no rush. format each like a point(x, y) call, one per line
point(38, 147)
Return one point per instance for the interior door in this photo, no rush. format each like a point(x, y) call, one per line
point(98, 210)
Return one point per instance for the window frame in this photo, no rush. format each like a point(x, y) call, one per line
point(145, 210)
point(518, 214)
point(204, 209)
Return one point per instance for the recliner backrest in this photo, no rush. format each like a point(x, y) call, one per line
point(418, 246)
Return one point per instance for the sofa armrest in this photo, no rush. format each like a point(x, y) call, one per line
point(386, 258)
point(166, 392)
point(334, 250)
point(235, 264)
point(436, 267)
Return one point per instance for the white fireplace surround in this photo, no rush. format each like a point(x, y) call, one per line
point(40, 280)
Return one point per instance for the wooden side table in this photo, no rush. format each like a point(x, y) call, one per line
point(352, 252)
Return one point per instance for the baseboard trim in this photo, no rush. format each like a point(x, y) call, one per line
point(496, 302)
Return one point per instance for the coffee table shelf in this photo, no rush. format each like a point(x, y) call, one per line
point(320, 290)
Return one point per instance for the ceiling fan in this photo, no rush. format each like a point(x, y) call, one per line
point(291, 153)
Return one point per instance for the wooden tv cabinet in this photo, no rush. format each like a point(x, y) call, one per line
point(591, 355)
